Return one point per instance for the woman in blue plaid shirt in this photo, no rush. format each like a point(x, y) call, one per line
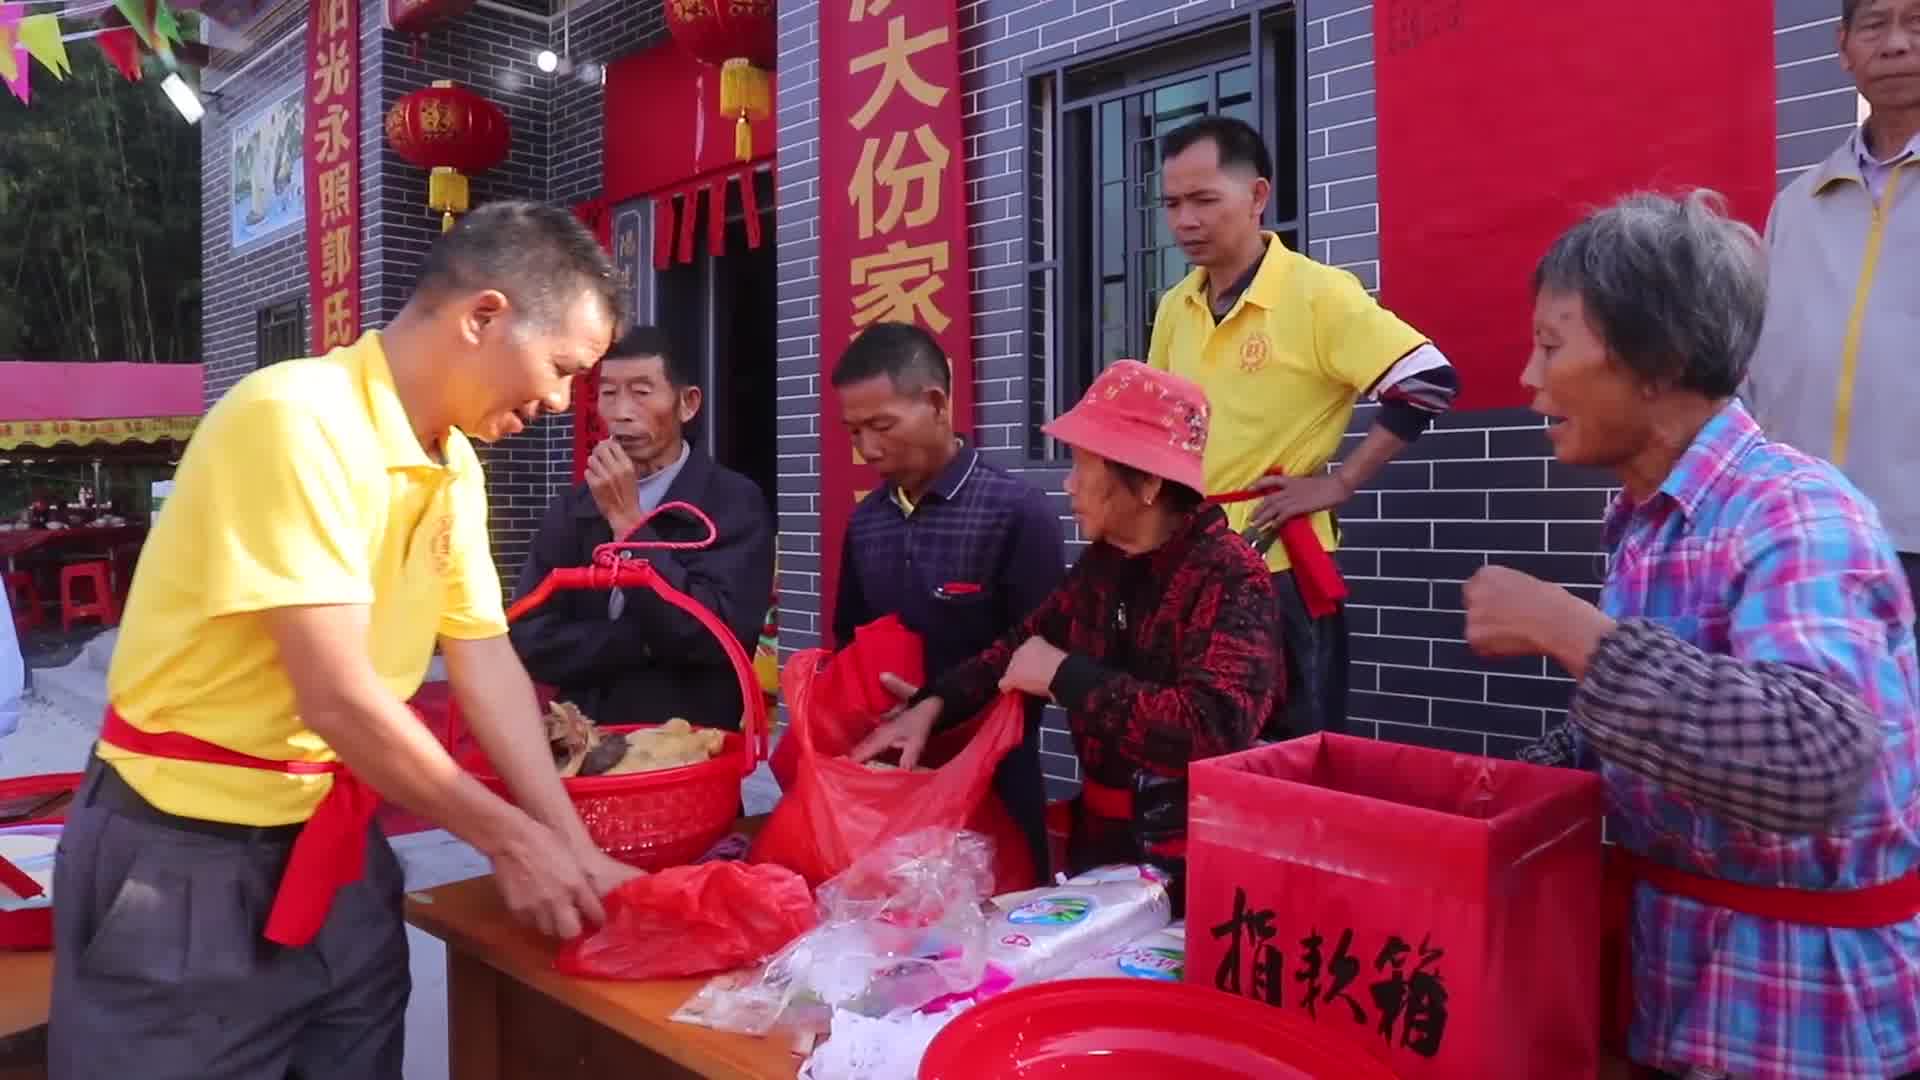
point(1747, 686)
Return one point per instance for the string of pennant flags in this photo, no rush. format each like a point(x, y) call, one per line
point(135, 26)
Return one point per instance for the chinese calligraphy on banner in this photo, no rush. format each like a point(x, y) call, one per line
point(332, 155)
point(893, 215)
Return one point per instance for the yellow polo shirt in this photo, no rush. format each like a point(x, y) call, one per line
point(1281, 372)
point(304, 486)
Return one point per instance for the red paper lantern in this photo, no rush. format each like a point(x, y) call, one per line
point(420, 16)
point(451, 131)
point(739, 37)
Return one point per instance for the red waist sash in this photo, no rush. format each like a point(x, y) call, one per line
point(330, 851)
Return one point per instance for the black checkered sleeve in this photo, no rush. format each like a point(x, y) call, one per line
point(1766, 744)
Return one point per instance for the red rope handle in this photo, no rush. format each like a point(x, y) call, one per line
point(610, 571)
point(607, 554)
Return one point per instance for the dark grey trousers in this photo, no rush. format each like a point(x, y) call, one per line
point(1315, 655)
point(161, 972)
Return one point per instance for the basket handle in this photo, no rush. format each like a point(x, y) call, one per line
point(612, 570)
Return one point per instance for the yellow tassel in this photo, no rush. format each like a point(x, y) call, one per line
point(744, 89)
point(745, 93)
point(446, 192)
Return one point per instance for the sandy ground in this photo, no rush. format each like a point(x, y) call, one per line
point(58, 725)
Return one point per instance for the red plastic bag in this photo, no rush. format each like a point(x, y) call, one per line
point(1440, 910)
point(836, 811)
point(851, 699)
point(692, 920)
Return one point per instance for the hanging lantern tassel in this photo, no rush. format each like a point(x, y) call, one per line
point(745, 92)
point(447, 193)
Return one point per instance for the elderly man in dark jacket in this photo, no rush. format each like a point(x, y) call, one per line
point(629, 657)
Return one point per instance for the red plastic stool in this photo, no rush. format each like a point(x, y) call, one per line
point(101, 607)
point(23, 596)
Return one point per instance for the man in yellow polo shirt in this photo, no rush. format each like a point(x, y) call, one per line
point(327, 529)
point(1283, 346)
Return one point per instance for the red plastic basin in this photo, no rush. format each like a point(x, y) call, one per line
point(1135, 1029)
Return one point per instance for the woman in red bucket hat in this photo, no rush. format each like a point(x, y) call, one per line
point(1160, 643)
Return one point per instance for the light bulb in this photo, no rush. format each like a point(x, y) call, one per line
point(547, 61)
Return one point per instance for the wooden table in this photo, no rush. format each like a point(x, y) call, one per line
point(26, 987)
point(510, 1015)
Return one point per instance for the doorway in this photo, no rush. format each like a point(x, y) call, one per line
point(723, 310)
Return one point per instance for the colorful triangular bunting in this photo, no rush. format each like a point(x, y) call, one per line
point(122, 50)
point(9, 66)
point(16, 59)
point(40, 36)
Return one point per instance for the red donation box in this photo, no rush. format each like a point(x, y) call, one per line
point(1440, 910)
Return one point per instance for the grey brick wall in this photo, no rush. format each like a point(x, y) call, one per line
point(1479, 489)
point(554, 157)
point(235, 285)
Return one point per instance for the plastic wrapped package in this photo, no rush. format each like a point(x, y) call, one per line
point(1160, 956)
point(1042, 934)
point(900, 928)
point(887, 1048)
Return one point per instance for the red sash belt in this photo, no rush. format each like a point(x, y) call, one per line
point(1322, 588)
point(1854, 909)
point(330, 851)
point(1112, 803)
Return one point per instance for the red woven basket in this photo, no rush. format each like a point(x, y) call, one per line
point(653, 820)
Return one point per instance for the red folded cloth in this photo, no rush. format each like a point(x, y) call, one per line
point(1322, 588)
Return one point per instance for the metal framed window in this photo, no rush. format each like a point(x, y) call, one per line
point(280, 333)
point(1099, 251)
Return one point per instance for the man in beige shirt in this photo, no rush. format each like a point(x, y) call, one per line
point(1835, 372)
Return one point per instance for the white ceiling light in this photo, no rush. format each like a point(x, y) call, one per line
point(547, 61)
point(183, 98)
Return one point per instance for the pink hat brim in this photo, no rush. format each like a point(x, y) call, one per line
point(1149, 452)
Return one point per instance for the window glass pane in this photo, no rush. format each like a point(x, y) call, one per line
point(1172, 105)
point(1113, 225)
point(1113, 303)
point(1236, 82)
point(1113, 143)
point(1173, 265)
point(1241, 110)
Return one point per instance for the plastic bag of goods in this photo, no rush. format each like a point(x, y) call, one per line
point(834, 811)
point(900, 928)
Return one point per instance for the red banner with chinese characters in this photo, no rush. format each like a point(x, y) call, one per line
point(332, 153)
point(1468, 206)
point(893, 215)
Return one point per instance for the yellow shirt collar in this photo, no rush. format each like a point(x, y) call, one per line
point(1264, 293)
point(398, 444)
